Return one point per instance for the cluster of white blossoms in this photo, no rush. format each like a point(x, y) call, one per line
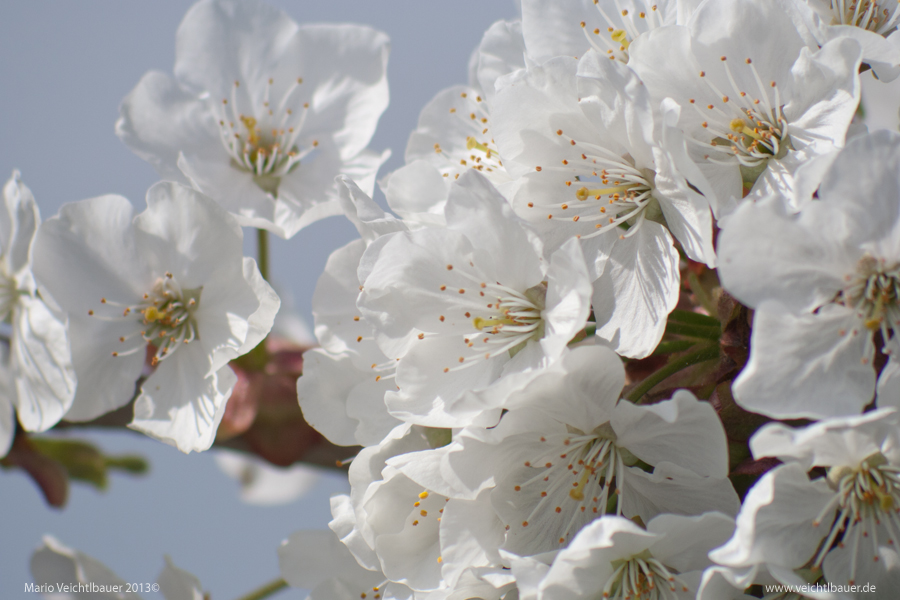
point(564, 214)
point(535, 348)
point(104, 307)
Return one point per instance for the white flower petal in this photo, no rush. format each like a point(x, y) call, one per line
point(179, 408)
point(18, 224)
point(45, 378)
point(775, 524)
point(673, 489)
point(160, 119)
point(637, 291)
point(53, 563)
point(177, 584)
point(650, 432)
point(811, 365)
point(343, 404)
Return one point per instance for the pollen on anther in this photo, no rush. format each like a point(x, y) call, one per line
point(518, 488)
point(359, 338)
point(442, 318)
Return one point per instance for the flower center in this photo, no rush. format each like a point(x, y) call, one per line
point(740, 128)
point(614, 39)
point(642, 577)
point(878, 17)
point(874, 292)
point(868, 501)
point(166, 319)
point(574, 477)
point(263, 139)
point(504, 325)
point(481, 154)
point(609, 189)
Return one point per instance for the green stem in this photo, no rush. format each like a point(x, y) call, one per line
point(674, 366)
point(702, 297)
point(673, 346)
point(700, 332)
point(266, 590)
point(691, 318)
point(262, 252)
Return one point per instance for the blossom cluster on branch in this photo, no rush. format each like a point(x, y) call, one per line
point(627, 331)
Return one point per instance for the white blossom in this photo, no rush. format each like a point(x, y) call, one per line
point(344, 382)
point(757, 98)
point(846, 524)
point(169, 285)
point(572, 27)
point(824, 284)
point(54, 565)
point(872, 23)
point(595, 157)
point(569, 451)
point(470, 306)
point(262, 113)
point(615, 558)
point(36, 375)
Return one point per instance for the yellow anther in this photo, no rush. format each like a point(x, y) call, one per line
point(578, 492)
point(585, 193)
point(740, 126)
point(619, 36)
point(480, 323)
point(472, 143)
point(250, 124)
point(873, 324)
point(423, 495)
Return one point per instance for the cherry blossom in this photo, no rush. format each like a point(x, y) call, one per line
point(36, 375)
point(757, 97)
point(470, 306)
point(169, 284)
point(824, 283)
point(262, 113)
